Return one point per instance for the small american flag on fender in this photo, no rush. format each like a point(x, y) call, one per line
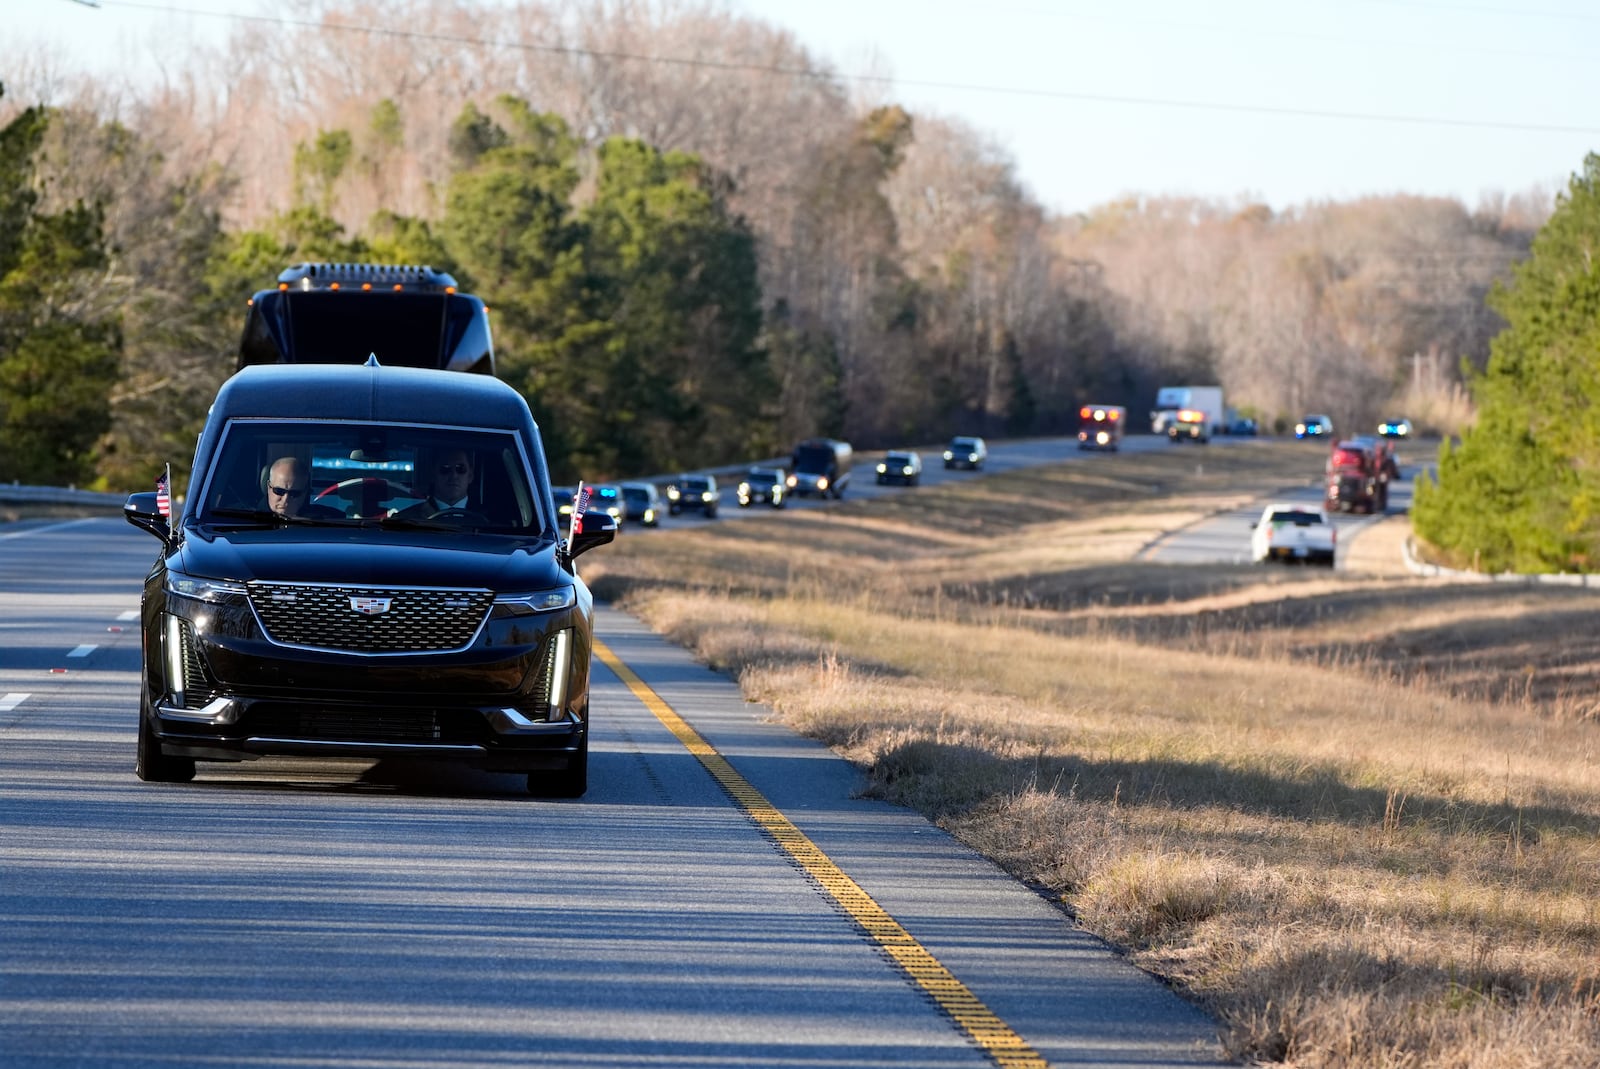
point(580, 505)
point(164, 492)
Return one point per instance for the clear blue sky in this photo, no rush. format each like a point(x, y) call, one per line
point(1283, 100)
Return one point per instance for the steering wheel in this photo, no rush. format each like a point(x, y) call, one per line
point(365, 490)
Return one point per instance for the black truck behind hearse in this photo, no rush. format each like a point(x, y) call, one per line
point(820, 466)
point(341, 313)
point(370, 619)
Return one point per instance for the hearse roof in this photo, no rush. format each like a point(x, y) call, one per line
point(370, 392)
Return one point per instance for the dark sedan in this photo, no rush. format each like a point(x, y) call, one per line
point(381, 622)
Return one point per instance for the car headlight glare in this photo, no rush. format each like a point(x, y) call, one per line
point(562, 597)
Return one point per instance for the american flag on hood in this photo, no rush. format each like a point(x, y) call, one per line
point(164, 492)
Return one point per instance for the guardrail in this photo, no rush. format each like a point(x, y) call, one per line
point(16, 493)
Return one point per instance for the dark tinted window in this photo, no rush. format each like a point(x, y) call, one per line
point(372, 470)
point(1298, 518)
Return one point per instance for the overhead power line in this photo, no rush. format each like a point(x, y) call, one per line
point(801, 72)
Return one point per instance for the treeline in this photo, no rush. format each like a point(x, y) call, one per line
point(1521, 492)
point(697, 245)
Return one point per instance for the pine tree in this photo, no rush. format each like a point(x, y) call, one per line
point(1522, 490)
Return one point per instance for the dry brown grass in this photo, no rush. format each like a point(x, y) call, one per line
point(1358, 817)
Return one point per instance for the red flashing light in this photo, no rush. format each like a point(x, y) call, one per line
point(1083, 412)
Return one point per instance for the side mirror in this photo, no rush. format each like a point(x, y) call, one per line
point(595, 529)
point(141, 511)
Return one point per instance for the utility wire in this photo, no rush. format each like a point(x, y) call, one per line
point(805, 73)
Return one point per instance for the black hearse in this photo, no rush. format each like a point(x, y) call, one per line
point(361, 617)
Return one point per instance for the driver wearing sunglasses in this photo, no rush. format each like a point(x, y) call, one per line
point(288, 483)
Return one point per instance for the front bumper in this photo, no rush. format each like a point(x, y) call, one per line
point(512, 698)
point(499, 738)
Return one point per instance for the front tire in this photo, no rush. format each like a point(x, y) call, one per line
point(153, 766)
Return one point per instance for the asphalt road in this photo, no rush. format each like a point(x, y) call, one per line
point(349, 913)
point(1224, 538)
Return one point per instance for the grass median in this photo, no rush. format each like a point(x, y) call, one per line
point(1355, 816)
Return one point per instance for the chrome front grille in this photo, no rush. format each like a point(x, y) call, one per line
point(369, 620)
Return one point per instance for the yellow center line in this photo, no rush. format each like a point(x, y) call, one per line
point(1003, 1046)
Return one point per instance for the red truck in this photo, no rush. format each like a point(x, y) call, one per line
point(1356, 479)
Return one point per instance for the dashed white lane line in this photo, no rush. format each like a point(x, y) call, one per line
point(10, 701)
point(131, 614)
point(83, 651)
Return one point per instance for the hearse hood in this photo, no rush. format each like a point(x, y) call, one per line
point(367, 557)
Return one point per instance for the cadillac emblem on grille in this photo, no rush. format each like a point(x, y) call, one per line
point(369, 620)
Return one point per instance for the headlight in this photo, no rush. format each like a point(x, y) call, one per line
point(793, 481)
point(672, 493)
point(708, 496)
point(822, 482)
point(562, 597)
point(949, 455)
point(906, 471)
point(202, 589)
point(883, 469)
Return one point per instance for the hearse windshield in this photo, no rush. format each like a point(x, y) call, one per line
point(342, 472)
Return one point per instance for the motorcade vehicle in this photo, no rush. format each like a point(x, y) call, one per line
point(764, 486)
point(608, 498)
point(644, 502)
point(452, 633)
point(966, 452)
point(1314, 426)
point(1243, 426)
point(900, 466)
point(1355, 479)
point(820, 466)
point(1101, 426)
point(563, 497)
point(1395, 428)
point(1293, 533)
point(696, 492)
point(1189, 425)
point(1388, 456)
point(1170, 400)
point(405, 315)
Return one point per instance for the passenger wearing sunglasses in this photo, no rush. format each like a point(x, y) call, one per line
point(449, 486)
